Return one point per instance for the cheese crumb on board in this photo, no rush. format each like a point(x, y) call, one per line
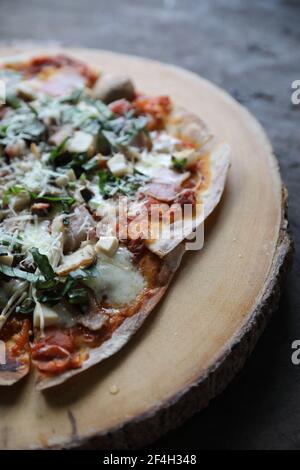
point(114, 389)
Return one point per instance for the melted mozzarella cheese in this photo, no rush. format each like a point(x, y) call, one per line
point(118, 278)
point(163, 142)
point(160, 156)
point(150, 162)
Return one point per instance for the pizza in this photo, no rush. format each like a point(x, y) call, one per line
point(95, 180)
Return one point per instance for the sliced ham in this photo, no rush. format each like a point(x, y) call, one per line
point(59, 136)
point(96, 317)
point(61, 82)
point(162, 191)
point(165, 184)
point(167, 176)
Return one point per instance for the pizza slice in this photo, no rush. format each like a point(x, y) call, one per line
point(100, 186)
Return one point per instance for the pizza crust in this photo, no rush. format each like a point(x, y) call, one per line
point(189, 127)
point(186, 126)
point(126, 330)
point(10, 377)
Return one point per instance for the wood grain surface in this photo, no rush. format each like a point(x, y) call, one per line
point(212, 314)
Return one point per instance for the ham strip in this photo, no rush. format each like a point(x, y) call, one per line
point(162, 191)
point(167, 176)
point(62, 82)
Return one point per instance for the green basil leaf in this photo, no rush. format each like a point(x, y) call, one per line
point(47, 285)
point(12, 100)
point(91, 164)
point(57, 151)
point(63, 199)
point(12, 191)
point(19, 274)
point(78, 296)
point(26, 307)
point(103, 109)
point(43, 264)
point(179, 164)
point(87, 273)
point(74, 97)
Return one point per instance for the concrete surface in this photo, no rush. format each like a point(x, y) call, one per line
point(252, 49)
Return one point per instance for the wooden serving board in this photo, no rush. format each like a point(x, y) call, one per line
point(208, 323)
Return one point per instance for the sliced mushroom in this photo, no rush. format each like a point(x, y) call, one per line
point(81, 142)
point(81, 258)
point(21, 201)
point(111, 88)
point(61, 135)
point(79, 225)
point(7, 259)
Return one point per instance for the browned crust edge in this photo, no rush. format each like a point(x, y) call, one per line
point(10, 377)
point(126, 330)
point(152, 424)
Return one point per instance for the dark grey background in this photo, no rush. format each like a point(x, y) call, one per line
point(252, 49)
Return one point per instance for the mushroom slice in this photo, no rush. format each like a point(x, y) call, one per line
point(81, 258)
point(111, 88)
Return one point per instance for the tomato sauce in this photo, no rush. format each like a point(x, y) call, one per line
point(66, 349)
point(41, 63)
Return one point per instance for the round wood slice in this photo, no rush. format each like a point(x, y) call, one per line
point(215, 309)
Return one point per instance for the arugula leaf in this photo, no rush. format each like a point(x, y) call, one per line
point(12, 191)
point(91, 164)
point(63, 199)
point(87, 273)
point(12, 100)
point(57, 151)
point(26, 307)
point(47, 285)
point(109, 184)
point(49, 298)
point(32, 109)
point(121, 131)
point(17, 245)
point(19, 274)
point(179, 164)
point(43, 264)
point(33, 129)
point(131, 183)
point(22, 124)
point(68, 288)
point(74, 97)
point(54, 290)
point(111, 138)
point(3, 131)
point(103, 109)
point(78, 296)
point(69, 282)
